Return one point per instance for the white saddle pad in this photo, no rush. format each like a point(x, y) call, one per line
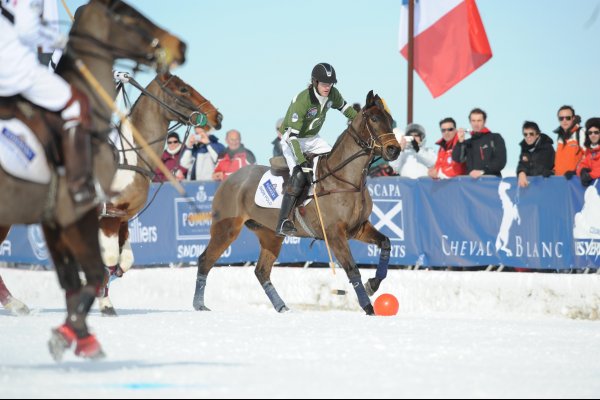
point(21, 153)
point(269, 193)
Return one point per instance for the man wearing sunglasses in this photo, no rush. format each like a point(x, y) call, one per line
point(445, 167)
point(537, 154)
point(589, 167)
point(568, 150)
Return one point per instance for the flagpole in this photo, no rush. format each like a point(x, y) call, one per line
point(411, 30)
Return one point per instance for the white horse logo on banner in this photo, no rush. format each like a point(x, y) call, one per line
point(587, 221)
point(510, 214)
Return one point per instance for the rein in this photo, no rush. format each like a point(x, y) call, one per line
point(148, 171)
point(182, 118)
point(367, 148)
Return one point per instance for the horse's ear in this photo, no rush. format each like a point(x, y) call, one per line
point(369, 101)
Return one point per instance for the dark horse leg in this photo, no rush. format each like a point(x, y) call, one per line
point(368, 234)
point(222, 234)
point(270, 245)
point(340, 247)
point(73, 247)
point(10, 303)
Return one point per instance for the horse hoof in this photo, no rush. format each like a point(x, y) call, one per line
point(369, 309)
point(89, 347)
point(61, 339)
point(283, 309)
point(108, 312)
point(16, 307)
point(202, 308)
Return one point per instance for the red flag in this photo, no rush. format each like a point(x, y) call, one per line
point(449, 42)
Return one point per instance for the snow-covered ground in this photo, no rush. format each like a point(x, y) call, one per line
point(458, 334)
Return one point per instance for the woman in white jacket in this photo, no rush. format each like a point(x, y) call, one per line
point(415, 159)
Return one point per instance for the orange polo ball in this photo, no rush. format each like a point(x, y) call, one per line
point(386, 305)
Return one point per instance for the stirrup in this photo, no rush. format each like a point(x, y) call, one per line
point(286, 228)
point(109, 210)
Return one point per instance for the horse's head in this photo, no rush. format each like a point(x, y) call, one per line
point(114, 29)
point(373, 125)
point(186, 101)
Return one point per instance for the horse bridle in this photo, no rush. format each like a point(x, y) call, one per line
point(367, 148)
point(191, 119)
point(183, 119)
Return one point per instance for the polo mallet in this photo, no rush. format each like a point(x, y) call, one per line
point(340, 292)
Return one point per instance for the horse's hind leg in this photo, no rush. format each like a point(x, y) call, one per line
point(368, 234)
point(222, 234)
point(270, 247)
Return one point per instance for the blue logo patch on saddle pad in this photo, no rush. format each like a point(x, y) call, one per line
point(21, 154)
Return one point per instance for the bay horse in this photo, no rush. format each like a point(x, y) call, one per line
point(103, 31)
point(345, 204)
point(165, 100)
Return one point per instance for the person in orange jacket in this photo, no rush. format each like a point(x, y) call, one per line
point(568, 150)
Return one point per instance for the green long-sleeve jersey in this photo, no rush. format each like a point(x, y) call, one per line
point(306, 115)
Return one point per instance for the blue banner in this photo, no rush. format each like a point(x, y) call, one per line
point(554, 223)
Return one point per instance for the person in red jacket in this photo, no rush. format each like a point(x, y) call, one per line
point(233, 158)
point(589, 166)
point(445, 167)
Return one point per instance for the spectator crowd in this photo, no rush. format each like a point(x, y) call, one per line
point(476, 151)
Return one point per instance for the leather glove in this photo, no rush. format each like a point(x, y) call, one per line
point(569, 174)
point(308, 171)
point(585, 177)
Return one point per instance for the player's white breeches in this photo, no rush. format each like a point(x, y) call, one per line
point(21, 73)
point(315, 144)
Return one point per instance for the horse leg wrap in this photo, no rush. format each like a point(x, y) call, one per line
point(272, 294)
point(199, 293)
point(361, 293)
point(82, 305)
point(372, 286)
point(384, 260)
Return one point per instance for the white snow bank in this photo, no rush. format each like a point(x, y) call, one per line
point(419, 292)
